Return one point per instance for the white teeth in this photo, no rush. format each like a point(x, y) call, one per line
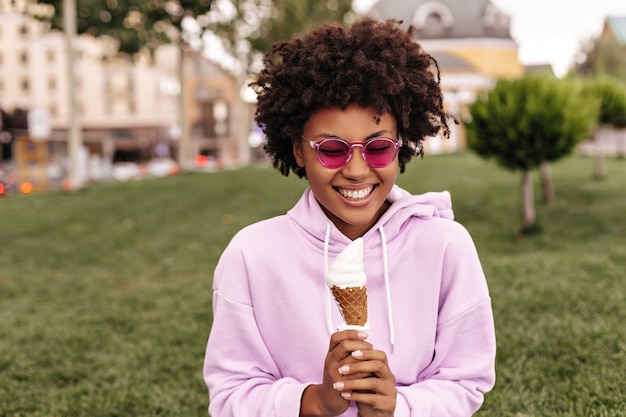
point(355, 194)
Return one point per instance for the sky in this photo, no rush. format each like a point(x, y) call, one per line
point(550, 31)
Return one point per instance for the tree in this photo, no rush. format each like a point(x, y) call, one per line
point(134, 24)
point(248, 28)
point(139, 24)
point(524, 122)
point(297, 18)
point(611, 94)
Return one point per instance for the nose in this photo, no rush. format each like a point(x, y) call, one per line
point(356, 166)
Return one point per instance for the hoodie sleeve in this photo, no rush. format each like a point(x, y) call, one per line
point(462, 369)
point(242, 378)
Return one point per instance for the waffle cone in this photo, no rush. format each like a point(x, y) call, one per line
point(352, 302)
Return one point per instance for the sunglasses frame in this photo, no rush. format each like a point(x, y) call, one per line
point(397, 143)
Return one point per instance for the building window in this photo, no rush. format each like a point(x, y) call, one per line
point(1, 86)
point(24, 57)
point(131, 82)
point(433, 19)
point(53, 110)
point(118, 83)
point(23, 30)
point(52, 84)
point(1, 58)
point(50, 57)
point(495, 22)
point(25, 85)
point(119, 106)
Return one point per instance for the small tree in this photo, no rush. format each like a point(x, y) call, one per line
point(523, 122)
point(612, 96)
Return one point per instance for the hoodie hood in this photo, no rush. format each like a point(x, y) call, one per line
point(313, 222)
point(316, 226)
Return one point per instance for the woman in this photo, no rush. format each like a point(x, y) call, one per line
point(347, 109)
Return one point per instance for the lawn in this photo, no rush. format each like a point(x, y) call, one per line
point(105, 300)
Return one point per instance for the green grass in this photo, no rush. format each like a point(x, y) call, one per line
point(105, 294)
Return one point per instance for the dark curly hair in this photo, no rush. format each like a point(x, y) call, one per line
point(372, 64)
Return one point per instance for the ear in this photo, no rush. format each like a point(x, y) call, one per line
point(297, 152)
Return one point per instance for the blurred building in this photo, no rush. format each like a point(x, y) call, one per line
point(471, 41)
point(128, 108)
point(604, 55)
point(614, 29)
point(609, 140)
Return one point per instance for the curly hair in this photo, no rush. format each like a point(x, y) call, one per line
point(372, 64)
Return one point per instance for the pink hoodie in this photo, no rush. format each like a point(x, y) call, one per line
point(429, 310)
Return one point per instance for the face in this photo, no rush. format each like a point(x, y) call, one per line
point(353, 196)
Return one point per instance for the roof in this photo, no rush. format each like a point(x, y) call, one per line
point(447, 19)
point(539, 69)
point(618, 26)
point(445, 60)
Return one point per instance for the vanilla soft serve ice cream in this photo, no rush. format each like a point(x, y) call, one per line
point(347, 281)
point(347, 269)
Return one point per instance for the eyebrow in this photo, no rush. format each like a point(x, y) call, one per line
point(380, 133)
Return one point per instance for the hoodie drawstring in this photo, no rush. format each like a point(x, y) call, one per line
point(329, 320)
point(392, 332)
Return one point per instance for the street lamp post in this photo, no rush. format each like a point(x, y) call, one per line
point(75, 139)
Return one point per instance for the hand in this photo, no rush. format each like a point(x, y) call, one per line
point(325, 399)
point(375, 394)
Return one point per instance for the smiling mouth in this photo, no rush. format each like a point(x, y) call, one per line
point(355, 195)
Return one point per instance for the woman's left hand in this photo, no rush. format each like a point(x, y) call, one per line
point(375, 396)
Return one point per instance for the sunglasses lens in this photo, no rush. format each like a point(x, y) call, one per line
point(380, 152)
point(333, 153)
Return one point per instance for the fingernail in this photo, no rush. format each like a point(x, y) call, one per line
point(344, 369)
point(345, 395)
point(357, 354)
point(363, 335)
point(338, 385)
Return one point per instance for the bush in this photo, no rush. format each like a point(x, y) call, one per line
point(611, 94)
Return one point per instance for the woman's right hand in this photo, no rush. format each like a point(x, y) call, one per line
point(324, 400)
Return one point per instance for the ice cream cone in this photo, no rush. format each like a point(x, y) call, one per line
point(352, 302)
